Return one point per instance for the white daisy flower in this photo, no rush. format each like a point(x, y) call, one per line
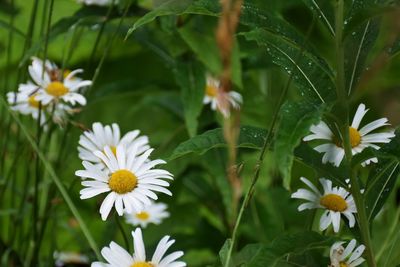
point(346, 257)
point(25, 101)
point(54, 87)
point(102, 136)
point(116, 256)
point(359, 138)
point(97, 2)
point(335, 201)
point(153, 213)
point(220, 100)
point(129, 178)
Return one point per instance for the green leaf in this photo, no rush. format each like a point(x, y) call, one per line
point(224, 250)
point(382, 178)
point(249, 137)
point(362, 14)
point(311, 73)
point(295, 123)
point(308, 156)
point(63, 26)
point(358, 42)
point(190, 76)
point(10, 27)
point(324, 11)
point(392, 148)
point(205, 47)
point(259, 255)
point(381, 182)
point(176, 7)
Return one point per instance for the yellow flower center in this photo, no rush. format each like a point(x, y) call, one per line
point(333, 202)
point(355, 137)
point(33, 102)
point(142, 215)
point(142, 264)
point(343, 264)
point(122, 181)
point(211, 91)
point(56, 89)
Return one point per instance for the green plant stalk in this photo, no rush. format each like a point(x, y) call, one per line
point(121, 229)
point(57, 181)
point(344, 129)
point(43, 22)
point(260, 160)
point(18, 236)
point(46, 39)
point(107, 49)
point(9, 51)
point(35, 219)
point(100, 35)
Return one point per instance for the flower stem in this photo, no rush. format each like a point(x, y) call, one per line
point(107, 49)
point(344, 128)
point(121, 229)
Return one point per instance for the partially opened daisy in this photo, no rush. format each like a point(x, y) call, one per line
point(116, 256)
point(25, 101)
point(220, 100)
point(108, 135)
point(153, 213)
point(129, 178)
point(334, 200)
point(54, 86)
point(346, 257)
point(360, 138)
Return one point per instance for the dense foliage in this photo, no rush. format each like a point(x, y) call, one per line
point(295, 63)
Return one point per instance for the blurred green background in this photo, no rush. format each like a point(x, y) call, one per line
point(138, 88)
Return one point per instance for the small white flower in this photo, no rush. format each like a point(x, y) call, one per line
point(103, 136)
point(220, 100)
point(116, 256)
point(97, 2)
point(55, 87)
point(335, 201)
point(129, 178)
point(25, 101)
point(346, 257)
point(153, 213)
point(359, 138)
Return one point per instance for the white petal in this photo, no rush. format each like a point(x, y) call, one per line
point(325, 220)
point(335, 221)
point(372, 126)
point(360, 113)
point(357, 253)
point(107, 205)
point(162, 247)
point(140, 252)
